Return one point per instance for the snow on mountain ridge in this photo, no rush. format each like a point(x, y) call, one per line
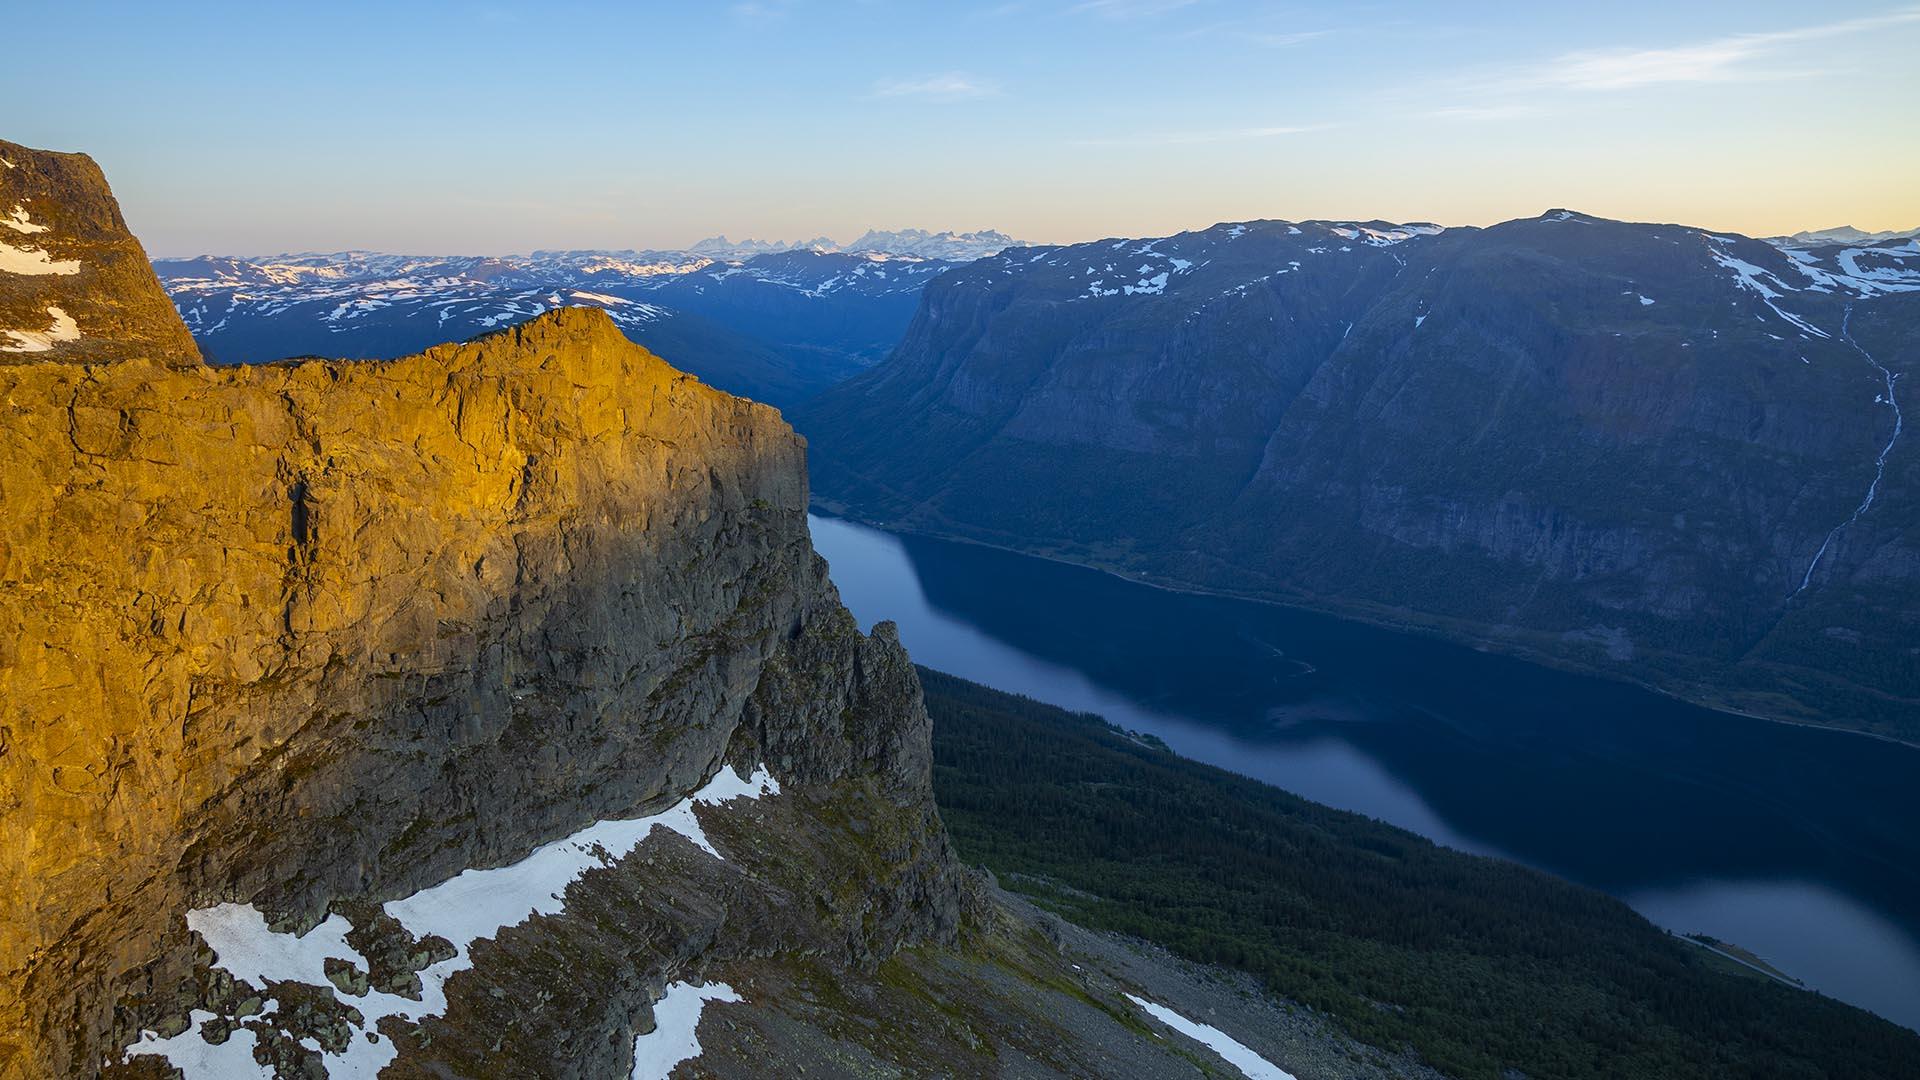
point(946, 244)
point(1844, 234)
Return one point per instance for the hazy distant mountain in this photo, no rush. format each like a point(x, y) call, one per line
point(777, 327)
point(719, 247)
point(1648, 449)
point(1845, 234)
point(946, 245)
point(958, 247)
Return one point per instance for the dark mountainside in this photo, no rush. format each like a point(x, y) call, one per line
point(1645, 450)
point(777, 327)
point(301, 648)
point(1484, 967)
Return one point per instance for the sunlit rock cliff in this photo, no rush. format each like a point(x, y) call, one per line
point(480, 713)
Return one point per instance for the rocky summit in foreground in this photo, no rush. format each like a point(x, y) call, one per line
point(481, 713)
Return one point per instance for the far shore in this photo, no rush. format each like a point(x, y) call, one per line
point(1454, 631)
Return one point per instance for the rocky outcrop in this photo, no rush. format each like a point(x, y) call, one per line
point(1638, 449)
point(283, 635)
point(468, 714)
point(74, 283)
point(306, 635)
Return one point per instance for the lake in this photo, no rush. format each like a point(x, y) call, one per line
point(1800, 845)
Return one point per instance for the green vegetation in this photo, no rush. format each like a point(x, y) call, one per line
point(1479, 965)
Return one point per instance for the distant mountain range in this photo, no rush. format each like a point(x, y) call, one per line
point(1845, 234)
point(951, 246)
point(775, 326)
point(1650, 450)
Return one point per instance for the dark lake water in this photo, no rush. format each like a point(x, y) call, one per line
point(1800, 845)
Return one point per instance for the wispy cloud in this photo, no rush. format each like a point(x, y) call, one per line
point(1186, 138)
point(951, 86)
point(1735, 58)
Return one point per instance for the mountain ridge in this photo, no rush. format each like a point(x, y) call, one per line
point(777, 327)
point(296, 651)
point(1564, 411)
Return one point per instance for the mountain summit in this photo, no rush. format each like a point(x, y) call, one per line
point(74, 283)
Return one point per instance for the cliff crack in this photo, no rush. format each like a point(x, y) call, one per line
point(1879, 464)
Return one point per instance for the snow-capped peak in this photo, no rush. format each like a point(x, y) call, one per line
point(946, 244)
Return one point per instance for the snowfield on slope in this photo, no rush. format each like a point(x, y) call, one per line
point(469, 907)
point(1231, 1050)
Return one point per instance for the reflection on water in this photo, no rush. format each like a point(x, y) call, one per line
point(1794, 843)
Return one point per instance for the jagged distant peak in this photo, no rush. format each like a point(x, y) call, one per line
point(1843, 235)
point(720, 247)
point(946, 244)
point(939, 245)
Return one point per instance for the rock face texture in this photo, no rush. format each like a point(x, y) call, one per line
point(291, 634)
point(462, 715)
point(1643, 449)
point(287, 634)
point(74, 283)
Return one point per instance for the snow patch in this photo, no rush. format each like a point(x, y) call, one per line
point(195, 1056)
point(1847, 273)
point(675, 1037)
point(20, 222)
point(1152, 286)
point(473, 905)
point(1748, 276)
point(478, 904)
point(597, 298)
point(63, 329)
point(34, 262)
point(1231, 1050)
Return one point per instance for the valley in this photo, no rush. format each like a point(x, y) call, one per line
point(491, 710)
point(1787, 841)
point(1080, 540)
point(1647, 451)
point(1395, 940)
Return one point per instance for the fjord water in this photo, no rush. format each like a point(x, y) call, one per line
point(1797, 844)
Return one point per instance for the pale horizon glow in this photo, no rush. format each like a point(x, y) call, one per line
point(450, 128)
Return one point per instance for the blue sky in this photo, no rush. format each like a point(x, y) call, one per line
point(473, 128)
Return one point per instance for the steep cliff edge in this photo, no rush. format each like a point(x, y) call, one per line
point(485, 712)
point(292, 634)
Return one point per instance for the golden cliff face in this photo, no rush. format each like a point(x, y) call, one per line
point(219, 585)
point(291, 633)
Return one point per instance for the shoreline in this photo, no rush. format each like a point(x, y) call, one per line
point(1357, 614)
point(1712, 945)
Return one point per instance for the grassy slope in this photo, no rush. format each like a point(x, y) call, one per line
point(1478, 964)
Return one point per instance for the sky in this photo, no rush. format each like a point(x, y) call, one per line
point(440, 128)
